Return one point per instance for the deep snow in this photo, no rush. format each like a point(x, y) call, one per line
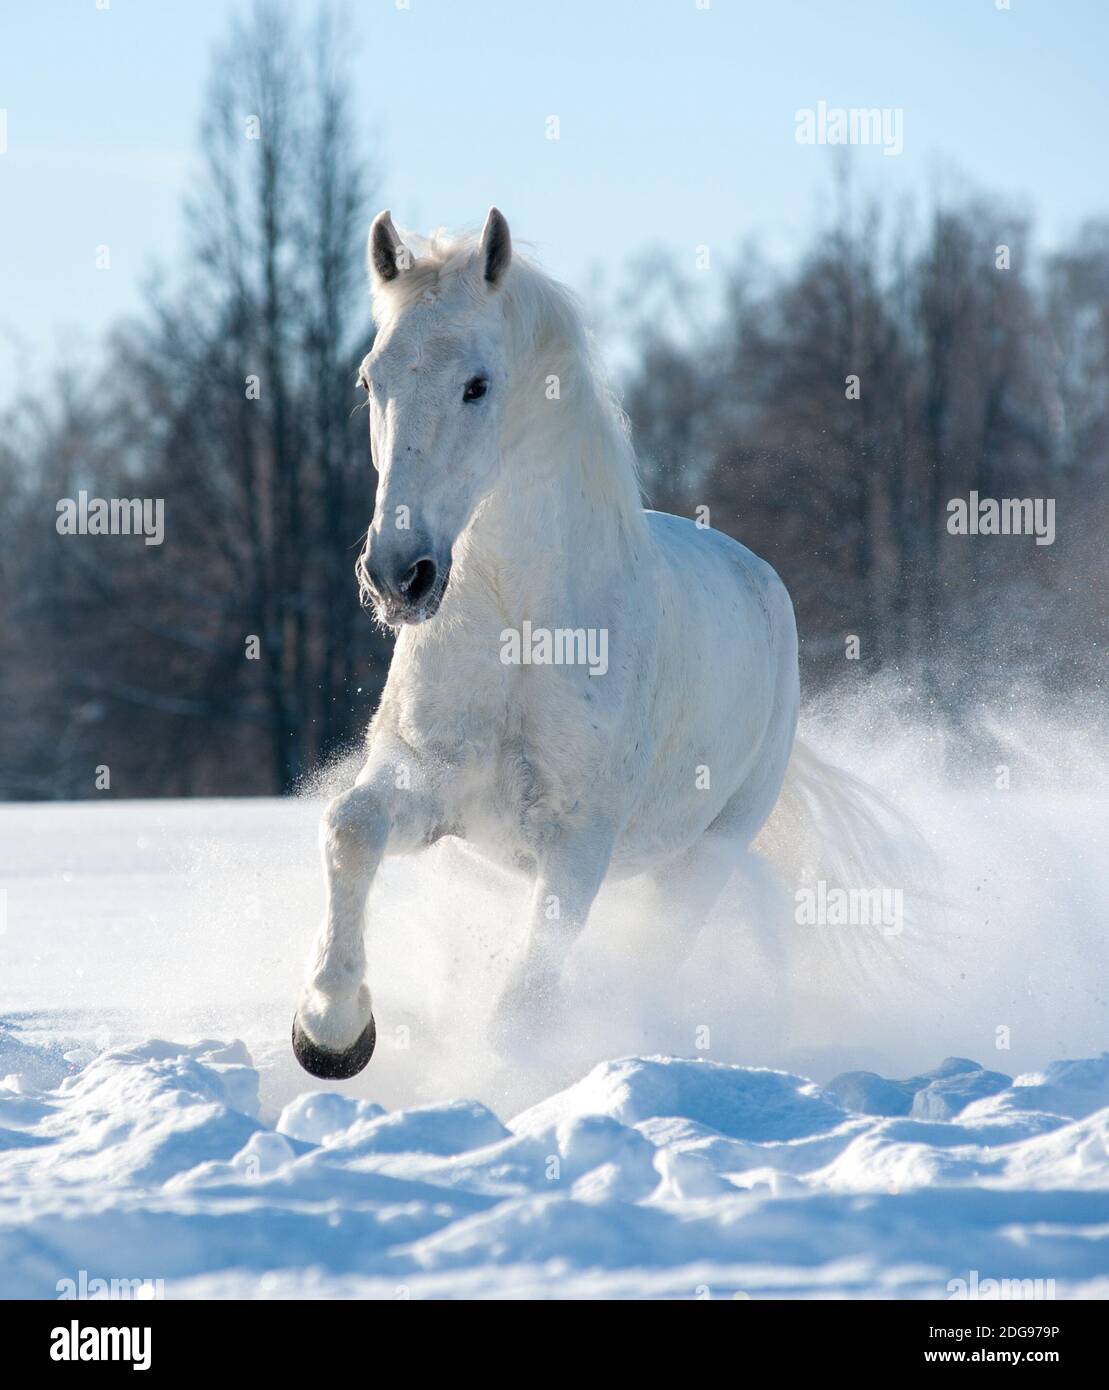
point(651, 1176)
point(724, 1152)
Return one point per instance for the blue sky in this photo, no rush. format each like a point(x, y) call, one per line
point(676, 125)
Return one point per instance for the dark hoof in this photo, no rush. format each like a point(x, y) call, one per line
point(333, 1066)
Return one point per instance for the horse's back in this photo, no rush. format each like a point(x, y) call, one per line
point(679, 537)
point(726, 688)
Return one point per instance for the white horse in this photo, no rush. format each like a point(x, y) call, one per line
point(580, 688)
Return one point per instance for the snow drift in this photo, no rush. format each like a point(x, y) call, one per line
point(650, 1176)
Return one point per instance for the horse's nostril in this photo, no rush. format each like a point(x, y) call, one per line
point(419, 581)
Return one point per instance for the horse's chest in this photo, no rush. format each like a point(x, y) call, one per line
point(512, 753)
point(507, 749)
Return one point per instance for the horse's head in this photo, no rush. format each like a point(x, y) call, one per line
point(436, 380)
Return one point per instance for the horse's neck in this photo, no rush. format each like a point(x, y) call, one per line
point(564, 521)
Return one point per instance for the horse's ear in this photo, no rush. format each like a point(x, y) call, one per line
point(495, 247)
point(388, 255)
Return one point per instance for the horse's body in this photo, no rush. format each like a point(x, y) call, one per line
point(694, 716)
point(664, 740)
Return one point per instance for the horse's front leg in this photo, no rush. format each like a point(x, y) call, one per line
point(571, 871)
point(333, 1030)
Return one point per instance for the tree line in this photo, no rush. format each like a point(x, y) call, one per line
point(232, 657)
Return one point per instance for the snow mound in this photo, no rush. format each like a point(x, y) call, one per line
point(740, 1102)
point(1071, 1089)
point(654, 1176)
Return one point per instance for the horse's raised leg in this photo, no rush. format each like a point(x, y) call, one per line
point(571, 871)
point(333, 1030)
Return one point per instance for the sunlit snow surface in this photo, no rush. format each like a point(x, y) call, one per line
point(153, 1124)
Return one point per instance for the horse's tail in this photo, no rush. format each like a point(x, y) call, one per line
point(830, 825)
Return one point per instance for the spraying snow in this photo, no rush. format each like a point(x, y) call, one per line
point(433, 1169)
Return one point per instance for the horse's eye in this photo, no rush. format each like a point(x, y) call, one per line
point(476, 387)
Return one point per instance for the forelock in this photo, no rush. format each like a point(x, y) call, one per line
point(440, 264)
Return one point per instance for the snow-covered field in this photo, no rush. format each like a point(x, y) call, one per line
point(153, 1123)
